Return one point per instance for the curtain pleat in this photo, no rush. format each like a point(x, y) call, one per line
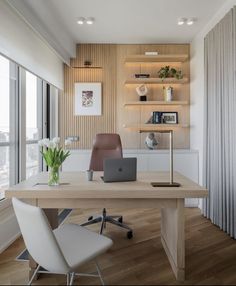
point(219, 171)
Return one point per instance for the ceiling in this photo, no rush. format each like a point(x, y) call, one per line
point(116, 21)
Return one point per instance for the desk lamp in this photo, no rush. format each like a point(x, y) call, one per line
point(171, 183)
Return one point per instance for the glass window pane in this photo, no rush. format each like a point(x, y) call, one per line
point(32, 160)
point(4, 99)
point(4, 168)
point(32, 132)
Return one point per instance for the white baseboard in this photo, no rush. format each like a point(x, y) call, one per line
point(9, 242)
point(9, 228)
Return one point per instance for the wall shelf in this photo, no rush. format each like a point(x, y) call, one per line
point(156, 80)
point(159, 58)
point(154, 127)
point(152, 102)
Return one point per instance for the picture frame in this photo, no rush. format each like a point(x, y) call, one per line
point(88, 98)
point(170, 117)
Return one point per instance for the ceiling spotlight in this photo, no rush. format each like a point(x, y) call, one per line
point(181, 21)
point(80, 20)
point(90, 20)
point(190, 21)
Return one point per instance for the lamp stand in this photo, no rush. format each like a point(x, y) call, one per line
point(171, 183)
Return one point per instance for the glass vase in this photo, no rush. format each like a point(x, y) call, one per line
point(53, 176)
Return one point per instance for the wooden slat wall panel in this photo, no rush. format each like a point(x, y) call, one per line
point(113, 74)
point(87, 126)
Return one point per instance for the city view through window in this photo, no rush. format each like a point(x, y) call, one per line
point(4, 122)
point(32, 126)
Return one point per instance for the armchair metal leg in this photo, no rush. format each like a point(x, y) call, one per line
point(72, 278)
point(99, 273)
point(35, 273)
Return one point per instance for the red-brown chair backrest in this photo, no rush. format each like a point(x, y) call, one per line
point(105, 145)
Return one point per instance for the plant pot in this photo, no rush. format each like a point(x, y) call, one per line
point(53, 176)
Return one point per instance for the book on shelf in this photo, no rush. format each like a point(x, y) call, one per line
point(157, 117)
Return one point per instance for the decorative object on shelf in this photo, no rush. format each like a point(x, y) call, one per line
point(157, 117)
point(166, 72)
point(88, 98)
point(168, 93)
point(142, 91)
point(54, 156)
point(151, 53)
point(170, 117)
point(87, 64)
point(142, 75)
point(150, 141)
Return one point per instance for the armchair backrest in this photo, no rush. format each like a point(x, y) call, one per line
point(105, 145)
point(39, 237)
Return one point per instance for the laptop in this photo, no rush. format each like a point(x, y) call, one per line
point(120, 170)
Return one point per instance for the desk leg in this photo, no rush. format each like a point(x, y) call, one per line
point(173, 238)
point(52, 215)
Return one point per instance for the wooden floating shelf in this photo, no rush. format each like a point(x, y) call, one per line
point(158, 58)
point(156, 80)
point(154, 127)
point(150, 103)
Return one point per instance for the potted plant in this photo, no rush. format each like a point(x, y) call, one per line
point(54, 155)
point(166, 72)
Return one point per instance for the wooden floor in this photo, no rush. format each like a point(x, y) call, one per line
point(210, 254)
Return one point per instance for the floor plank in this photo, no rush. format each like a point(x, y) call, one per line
point(210, 254)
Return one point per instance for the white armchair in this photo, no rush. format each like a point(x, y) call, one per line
point(61, 251)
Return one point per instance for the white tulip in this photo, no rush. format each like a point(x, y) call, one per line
point(51, 145)
point(41, 143)
point(46, 141)
point(68, 142)
point(56, 140)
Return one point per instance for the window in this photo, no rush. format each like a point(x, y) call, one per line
point(33, 125)
point(28, 112)
point(4, 123)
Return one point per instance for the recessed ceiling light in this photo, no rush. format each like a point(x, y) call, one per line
point(181, 21)
point(80, 20)
point(190, 21)
point(90, 21)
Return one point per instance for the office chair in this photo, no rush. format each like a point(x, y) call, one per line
point(107, 145)
point(60, 251)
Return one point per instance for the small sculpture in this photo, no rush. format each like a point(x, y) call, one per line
point(142, 90)
point(150, 141)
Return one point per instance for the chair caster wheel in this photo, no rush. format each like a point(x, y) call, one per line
point(120, 219)
point(129, 234)
point(90, 218)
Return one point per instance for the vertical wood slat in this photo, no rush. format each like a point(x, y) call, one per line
point(112, 75)
point(87, 126)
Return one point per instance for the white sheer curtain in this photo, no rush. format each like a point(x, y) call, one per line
point(220, 124)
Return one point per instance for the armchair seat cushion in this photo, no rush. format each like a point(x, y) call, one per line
point(79, 244)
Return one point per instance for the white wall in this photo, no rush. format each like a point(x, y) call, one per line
point(197, 84)
point(21, 44)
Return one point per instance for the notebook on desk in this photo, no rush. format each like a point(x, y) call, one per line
point(120, 170)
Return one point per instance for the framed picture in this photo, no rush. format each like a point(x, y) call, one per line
point(170, 117)
point(88, 98)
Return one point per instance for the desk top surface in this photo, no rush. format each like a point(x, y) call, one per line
point(75, 185)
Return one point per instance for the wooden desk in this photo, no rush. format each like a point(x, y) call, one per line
point(76, 192)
